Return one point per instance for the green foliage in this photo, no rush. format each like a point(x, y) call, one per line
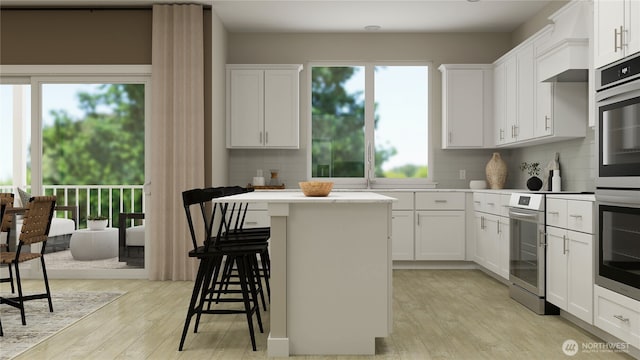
point(97, 217)
point(338, 126)
point(101, 148)
point(533, 169)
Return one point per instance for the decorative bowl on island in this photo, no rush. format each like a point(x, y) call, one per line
point(316, 188)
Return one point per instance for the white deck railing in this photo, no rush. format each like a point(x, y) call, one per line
point(106, 200)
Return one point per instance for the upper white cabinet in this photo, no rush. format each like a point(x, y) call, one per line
point(263, 106)
point(467, 91)
point(616, 30)
point(514, 84)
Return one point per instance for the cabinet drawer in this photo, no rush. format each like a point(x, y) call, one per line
point(478, 201)
point(580, 216)
point(258, 218)
point(440, 201)
point(557, 213)
point(617, 315)
point(492, 203)
point(404, 202)
point(504, 205)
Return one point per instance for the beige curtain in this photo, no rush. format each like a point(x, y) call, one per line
point(177, 135)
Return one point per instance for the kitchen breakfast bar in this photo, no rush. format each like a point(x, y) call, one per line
point(331, 290)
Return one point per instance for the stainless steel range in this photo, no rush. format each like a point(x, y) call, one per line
point(527, 259)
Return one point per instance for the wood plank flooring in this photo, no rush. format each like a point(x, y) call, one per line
point(438, 314)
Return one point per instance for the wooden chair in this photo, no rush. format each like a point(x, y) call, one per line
point(211, 256)
point(35, 229)
point(6, 219)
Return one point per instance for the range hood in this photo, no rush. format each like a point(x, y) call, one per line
point(565, 56)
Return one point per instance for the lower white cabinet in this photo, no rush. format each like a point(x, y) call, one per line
point(492, 232)
point(570, 272)
point(440, 235)
point(402, 235)
point(617, 314)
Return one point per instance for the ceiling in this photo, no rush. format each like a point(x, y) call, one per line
point(345, 15)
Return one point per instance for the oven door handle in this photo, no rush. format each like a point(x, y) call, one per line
point(523, 216)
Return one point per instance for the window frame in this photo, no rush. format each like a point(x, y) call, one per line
point(369, 180)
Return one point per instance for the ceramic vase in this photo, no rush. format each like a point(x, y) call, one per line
point(534, 183)
point(97, 224)
point(496, 171)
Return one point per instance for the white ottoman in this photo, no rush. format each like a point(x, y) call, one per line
point(94, 244)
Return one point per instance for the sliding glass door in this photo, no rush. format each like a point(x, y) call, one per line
point(87, 147)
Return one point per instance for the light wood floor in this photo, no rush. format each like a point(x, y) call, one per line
point(438, 314)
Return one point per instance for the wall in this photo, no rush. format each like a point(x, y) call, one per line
point(218, 174)
point(537, 22)
point(301, 48)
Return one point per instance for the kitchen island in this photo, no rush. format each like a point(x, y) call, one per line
point(331, 290)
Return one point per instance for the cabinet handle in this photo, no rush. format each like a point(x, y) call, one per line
point(501, 134)
point(564, 245)
point(450, 137)
point(266, 137)
point(516, 128)
point(498, 227)
point(621, 318)
point(492, 204)
point(554, 212)
point(251, 223)
point(575, 216)
point(260, 137)
point(546, 122)
point(482, 226)
point(615, 39)
point(441, 201)
point(476, 202)
point(418, 218)
point(541, 238)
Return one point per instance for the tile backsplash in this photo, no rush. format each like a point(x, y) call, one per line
point(577, 164)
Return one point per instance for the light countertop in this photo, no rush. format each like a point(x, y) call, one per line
point(298, 197)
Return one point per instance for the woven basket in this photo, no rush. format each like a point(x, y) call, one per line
point(316, 188)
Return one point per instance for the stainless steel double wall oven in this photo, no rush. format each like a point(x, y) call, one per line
point(618, 180)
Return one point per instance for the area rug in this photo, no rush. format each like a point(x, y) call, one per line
point(68, 308)
point(63, 260)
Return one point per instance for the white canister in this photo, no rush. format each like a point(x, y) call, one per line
point(556, 181)
point(258, 181)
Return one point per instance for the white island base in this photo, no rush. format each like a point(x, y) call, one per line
point(331, 291)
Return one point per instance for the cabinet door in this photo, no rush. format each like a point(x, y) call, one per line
point(492, 241)
point(557, 267)
point(503, 247)
point(580, 275)
point(480, 239)
point(402, 235)
point(543, 122)
point(632, 26)
point(557, 212)
point(499, 103)
point(440, 235)
point(246, 101)
point(526, 96)
point(281, 112)
point(464, 109)
point(608, 18)
point(511, 99)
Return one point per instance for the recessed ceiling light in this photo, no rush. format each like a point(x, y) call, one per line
point(372, 27)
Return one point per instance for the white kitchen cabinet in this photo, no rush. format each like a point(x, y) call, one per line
point(616, 30)
point(514, 96)
point(402, 244)
point(561, 111)
point(492, 232)
point(263, 106)
point(617, 315)
point(440, 226)
point(467, 96)
point(402, 225)
point(570, 241)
